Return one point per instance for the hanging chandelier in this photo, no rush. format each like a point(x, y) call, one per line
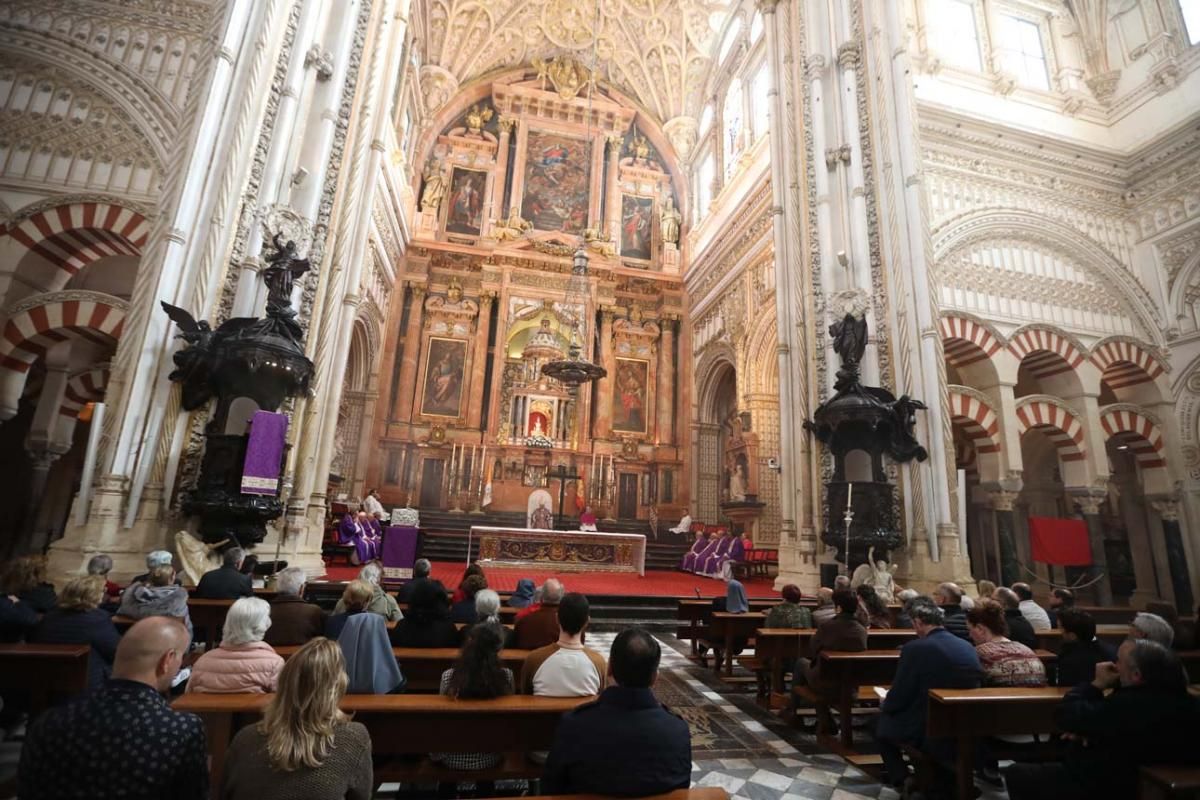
point(575, 369)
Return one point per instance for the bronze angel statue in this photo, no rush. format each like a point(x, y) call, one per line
point(193, 364)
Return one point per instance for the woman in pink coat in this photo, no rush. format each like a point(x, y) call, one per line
point(243, 662)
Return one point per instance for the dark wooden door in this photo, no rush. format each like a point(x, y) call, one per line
point(627, 495)
point(431, 482)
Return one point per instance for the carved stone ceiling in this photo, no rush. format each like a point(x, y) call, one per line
point(657, 51)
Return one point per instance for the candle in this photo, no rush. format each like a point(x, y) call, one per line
point(849, 493)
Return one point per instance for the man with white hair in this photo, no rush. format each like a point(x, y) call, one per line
point(421, 570)
point(381, 603)
point(293, 621)
point(540, 628)
point(1153, 627)
point(226, 582)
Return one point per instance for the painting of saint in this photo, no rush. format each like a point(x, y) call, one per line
point(636, 213)
point(465, 214)
point(445, 362)
point(629, 395)
point(555, 194)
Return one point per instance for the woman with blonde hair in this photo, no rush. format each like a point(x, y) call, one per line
point(243, 662)
point(25, 579)
point(78, 619)
point(305, 746)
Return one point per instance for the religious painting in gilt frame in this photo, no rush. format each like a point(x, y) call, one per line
point(465, 208)
point(555, 195)
point(629, 395)
point(445, 371)
point(637, 214)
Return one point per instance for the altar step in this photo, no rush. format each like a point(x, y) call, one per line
point(443, 545)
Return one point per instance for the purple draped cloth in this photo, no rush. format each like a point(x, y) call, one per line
point(264, 453)
point(711, 565)
point(689, 558)
point(364, 536)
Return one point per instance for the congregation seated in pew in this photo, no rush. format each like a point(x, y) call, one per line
point(464, 610)
point(1081, 651)
point(25, 579)
point(872, 611)
point(380, 601)
point(78, 619)
point(1148, 718)
point(427, 623)
point(477, 674)
point(1003, 661)
point(159, 595)
point(354, 600)
point(243, 662)
point(226, 582)
point(304, 746)
point(789, 613)
point(1019, 628)
point(540, 628)
point(1153, 627)
point(293, 620)
point(842, 633)
point(421, 571)
point(370, 662)
point(122, 740)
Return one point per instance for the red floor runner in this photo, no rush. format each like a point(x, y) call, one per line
point(656, 583)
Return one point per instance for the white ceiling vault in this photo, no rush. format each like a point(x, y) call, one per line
point(657, 51)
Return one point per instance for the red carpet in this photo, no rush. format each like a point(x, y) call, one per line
point(656, 583)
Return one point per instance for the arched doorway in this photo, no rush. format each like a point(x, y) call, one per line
point(718, 405)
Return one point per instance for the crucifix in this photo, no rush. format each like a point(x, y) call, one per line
point(562, 474)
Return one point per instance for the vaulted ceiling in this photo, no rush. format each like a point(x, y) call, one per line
point(657, 51)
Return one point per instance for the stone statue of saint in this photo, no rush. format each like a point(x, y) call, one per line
point(737, 484)
point(280, 276)
point(669, 220)
point(877, 575)
point(435, 187)
point(543, 518)
point(195, 556)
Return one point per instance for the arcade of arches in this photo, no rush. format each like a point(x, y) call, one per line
point(1007, 190)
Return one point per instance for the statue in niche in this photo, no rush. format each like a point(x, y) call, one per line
point(477, 117)
point(543, 518)
point(281, 276)
point(435, 187)
point(669, 220)
point(737, 484)
point(512, 228)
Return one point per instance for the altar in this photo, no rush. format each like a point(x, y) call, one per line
point(566, 551)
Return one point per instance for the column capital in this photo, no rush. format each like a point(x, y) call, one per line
point(1088, 498)
point(615, 142)
point(507, 123)
point(418, 289)
point(766, 6)
point(1002, 499)
point(1166, 507)
point(487, 297)
point(848, 55)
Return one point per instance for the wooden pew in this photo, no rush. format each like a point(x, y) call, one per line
point(722, 632)
point(46, 671)
point(423, 666)
point(870, 668)
point(1169, 783)
point(694, 616)
point(402, 725)
point(1112, 634)
point(778, 648)
point(967, 715)
point(1110, 615)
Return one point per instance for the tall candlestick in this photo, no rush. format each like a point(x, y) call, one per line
point(482, 472)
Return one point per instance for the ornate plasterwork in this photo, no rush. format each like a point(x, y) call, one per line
point(657, 50)
point(1175, 251)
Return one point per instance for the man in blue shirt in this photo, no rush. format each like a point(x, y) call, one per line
point(626, 744)
point(936, 660)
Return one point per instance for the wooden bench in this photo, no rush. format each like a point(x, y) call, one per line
point(1112, 634)
point(724, 629)
point(423, 666)
point(1169, 783)
point(967, 715)
point(778, 648)
point(695, 615)
point(48, 672)
point(848, 671)
point(406, 725)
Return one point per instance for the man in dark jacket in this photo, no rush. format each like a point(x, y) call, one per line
point(1081, 651)
point(1019, 628)
point(1149, 718)
point(540, 628)
point(845, 633)
point(626, 744)
point(421, 570)
point(949, 597)
point(936, 660)
point(293, 621)
point(226, 582)
point(1060, 600)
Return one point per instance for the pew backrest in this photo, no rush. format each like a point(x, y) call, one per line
point(46, 671)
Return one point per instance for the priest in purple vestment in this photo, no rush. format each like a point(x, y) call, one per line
point(698, 547)
point(362, 532)
point(711, 565)
point(736, 552)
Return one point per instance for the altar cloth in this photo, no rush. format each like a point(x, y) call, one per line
point(568, 551)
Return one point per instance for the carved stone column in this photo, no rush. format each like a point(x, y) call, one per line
point(483, 328)
point(499, 200)
point(603, 423)
point(1089, 501)
point(613, 190)
point(412, 352)
point(663, 405)
point(1006, 538)
point(1167, 509)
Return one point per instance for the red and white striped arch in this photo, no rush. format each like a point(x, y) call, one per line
point(1063, 427)
point(1144, 438)
point(29, 333)
point(966, 341)
point(86, 387)
point(977, 420)
point(1125, 363)
point(75, 235)
point(1045, 352)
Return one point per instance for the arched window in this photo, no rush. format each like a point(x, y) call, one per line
point(1019, 44)
point(952, 32)
point(731, 37)
point(760, 97)
point(733, 138)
